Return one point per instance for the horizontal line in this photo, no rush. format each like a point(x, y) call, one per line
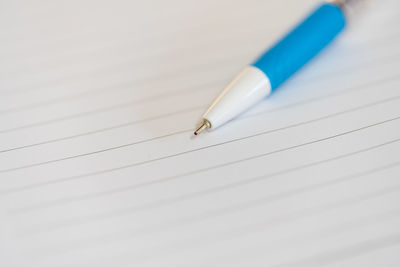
point(379, 61)
point(284, 195)
point(121, 86)
point(341, 92)
point(105, 90)
point(74, 221)
point(132, 64)
point(67, 200)
point(71, 178)
point(189, 151)
point(276, 221)
point(271, 222)
point(10, 92)
point(113, 128)
point(326, 232)
point(116, 87)
point(128, 46)
point(248, 229)
point(85, 74)
point(348, 252)
point(204, 87)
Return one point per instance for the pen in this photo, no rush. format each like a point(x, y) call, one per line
point(277, 64)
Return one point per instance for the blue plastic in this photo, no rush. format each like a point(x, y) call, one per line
point(302, 44)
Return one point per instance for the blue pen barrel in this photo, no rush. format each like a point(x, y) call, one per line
point(301, 44)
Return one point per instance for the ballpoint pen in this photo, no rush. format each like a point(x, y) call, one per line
point(277, 64)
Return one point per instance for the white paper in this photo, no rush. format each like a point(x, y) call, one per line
point(98, 168)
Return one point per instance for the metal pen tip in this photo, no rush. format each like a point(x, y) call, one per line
point(205, 124)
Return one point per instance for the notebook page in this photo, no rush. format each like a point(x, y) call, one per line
point(98, 167)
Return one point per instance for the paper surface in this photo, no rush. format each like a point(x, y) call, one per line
point(98, 167)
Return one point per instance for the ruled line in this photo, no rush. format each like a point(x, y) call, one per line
point(326, 232)
point(146, 80)
point(205, 87)
point(81, 176)
point(299, 103)
point(82, 197)
point(212, 214)
point(21, 90)
point(127, 43)
point(122, 85)
point(269, 223)
point(346, 253)
point(128, 64)
point(189, 151)
point(128, 235)
point(284, 195)
point(112, 128)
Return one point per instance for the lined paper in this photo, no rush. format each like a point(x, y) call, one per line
point(98, 101)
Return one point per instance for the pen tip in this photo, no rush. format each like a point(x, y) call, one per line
point(205, 124)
